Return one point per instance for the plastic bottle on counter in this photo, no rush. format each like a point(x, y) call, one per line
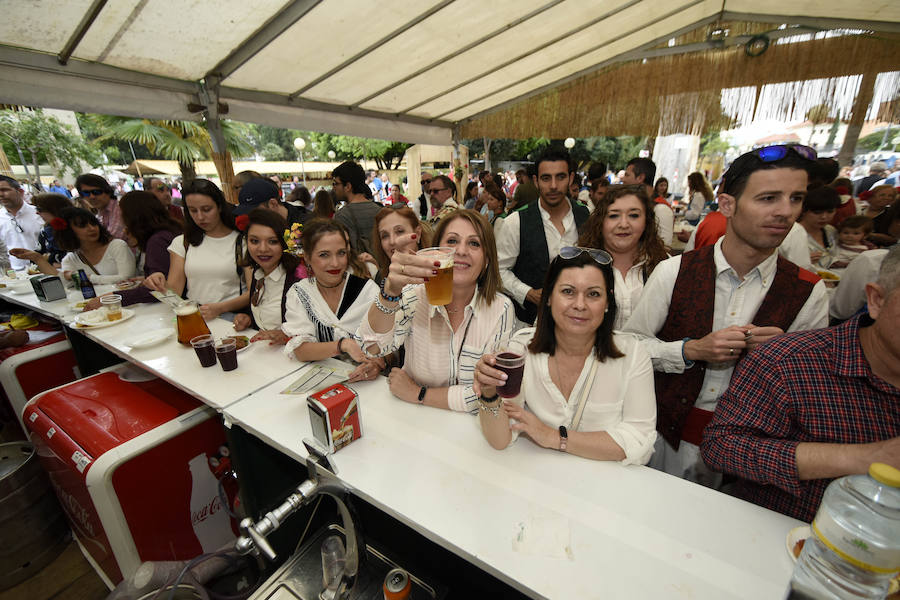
point(87, 288)
point(854, 550)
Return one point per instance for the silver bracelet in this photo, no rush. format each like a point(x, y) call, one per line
point(485, 407)
point(383, 308)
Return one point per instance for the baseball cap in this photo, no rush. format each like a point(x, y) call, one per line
point(254, 193)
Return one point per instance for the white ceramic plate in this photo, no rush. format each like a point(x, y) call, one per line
point(795, 535)
point(151, 338)
point(96, 319)
point(247, 347)
point(21, 289)
point(77, 306)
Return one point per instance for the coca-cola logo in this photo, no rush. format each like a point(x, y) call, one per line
point(206, 511)
point(77, 512)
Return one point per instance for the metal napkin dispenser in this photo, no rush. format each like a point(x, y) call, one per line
point(48, 288)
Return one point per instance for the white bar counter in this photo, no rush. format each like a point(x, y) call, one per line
point(549, 524)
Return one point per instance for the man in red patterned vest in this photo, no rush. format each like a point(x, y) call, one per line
point(701, 312)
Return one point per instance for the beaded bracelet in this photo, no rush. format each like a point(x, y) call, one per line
point(387, 296)
point(386, 310)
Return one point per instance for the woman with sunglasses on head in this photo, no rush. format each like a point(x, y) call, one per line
point(585, 389)
point(90, 247)
point(324, 310)
point(274, 272)
point(624, 225)
point(442, 342)
point(206, 260)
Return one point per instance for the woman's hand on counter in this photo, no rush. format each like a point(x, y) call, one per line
point(403, 386)
point(367, 371)
point(276, 337)
point(528, 423)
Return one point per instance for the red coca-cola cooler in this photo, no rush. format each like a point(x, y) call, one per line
point(130, 462)
point(37, 366)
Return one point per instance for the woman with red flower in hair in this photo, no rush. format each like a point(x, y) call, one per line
point(206, 262)
point(48, 207)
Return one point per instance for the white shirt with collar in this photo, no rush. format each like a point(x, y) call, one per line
point(29, 222)
point(665, 222)
point(628, 291)
point(268, 313)
point(736, 303)
point(508, 244)
point(794, 247)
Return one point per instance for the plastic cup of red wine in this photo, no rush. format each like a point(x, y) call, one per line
point(509, 357)
point(204, 346)
point(226, 350)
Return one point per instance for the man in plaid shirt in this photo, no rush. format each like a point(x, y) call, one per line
point(811, 406)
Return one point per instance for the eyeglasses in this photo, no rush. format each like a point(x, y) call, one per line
point(425, 181)
point(774, 153)
point(86, 193)
point(258, 292)
point(436, 190)
point(18, 227)
point(600, 257)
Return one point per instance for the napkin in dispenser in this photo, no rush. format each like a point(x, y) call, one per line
point(48, 288)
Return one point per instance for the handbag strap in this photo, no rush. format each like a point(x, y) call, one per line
point(82, 258)
point(585, 392)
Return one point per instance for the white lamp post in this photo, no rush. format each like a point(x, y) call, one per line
point(569, 143)
point(331, 154)
point(300, 144)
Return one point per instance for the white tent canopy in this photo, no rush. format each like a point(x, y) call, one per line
point(405, 70)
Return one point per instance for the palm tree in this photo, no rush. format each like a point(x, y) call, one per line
point(184, 141)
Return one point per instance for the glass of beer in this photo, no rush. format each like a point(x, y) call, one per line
point(204, 346)
point(439, 288)
point(510, 358)
point(189, 322)
point(112, 303)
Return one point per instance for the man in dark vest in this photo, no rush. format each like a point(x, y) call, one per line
point(532, 235)
point(700, 313)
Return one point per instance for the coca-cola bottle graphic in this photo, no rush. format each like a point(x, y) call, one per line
point(208, 517)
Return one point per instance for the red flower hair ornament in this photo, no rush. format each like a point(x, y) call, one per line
point(58, 224)
point(242, 222)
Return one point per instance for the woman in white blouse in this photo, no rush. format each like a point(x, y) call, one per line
point(207, 258)
point(274, 272)
point(90, 247)
point(442, 342)
point(585, 390)
point(624, 225)
point(324, 311)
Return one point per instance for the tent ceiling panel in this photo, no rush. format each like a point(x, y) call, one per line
point(400, 69)
point(322, 40)
point(455, 25)
point(40, 24)
point(570, 55)
point(502, 47)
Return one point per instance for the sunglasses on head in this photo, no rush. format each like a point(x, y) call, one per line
point(86, 193)
point(600, 257)
point(774, 153)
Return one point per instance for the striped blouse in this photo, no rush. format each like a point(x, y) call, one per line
point(437, 356)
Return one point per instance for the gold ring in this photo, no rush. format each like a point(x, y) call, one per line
point(731, 351)
point(402, 269)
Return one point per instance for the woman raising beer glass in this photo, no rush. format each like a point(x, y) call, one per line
point(444, 341)
point(585, 390)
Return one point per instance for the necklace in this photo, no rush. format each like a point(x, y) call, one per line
point(329, 287)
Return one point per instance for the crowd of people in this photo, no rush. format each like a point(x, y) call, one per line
point(716, 364)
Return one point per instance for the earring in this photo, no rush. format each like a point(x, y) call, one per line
point(606, 310)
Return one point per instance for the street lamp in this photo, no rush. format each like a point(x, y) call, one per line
point(300, 144)
point(569, 143)
point(331, 154)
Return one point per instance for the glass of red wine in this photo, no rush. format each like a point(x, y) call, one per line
point(509, 357)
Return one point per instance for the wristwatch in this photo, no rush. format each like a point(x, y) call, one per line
point(422, 394)
point(563, 438)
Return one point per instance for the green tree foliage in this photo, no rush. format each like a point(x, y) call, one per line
point(37, 137)
point(873, 141)
point(615, 152)
point(183, 141)
point(272, 152)
point(712, 144)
